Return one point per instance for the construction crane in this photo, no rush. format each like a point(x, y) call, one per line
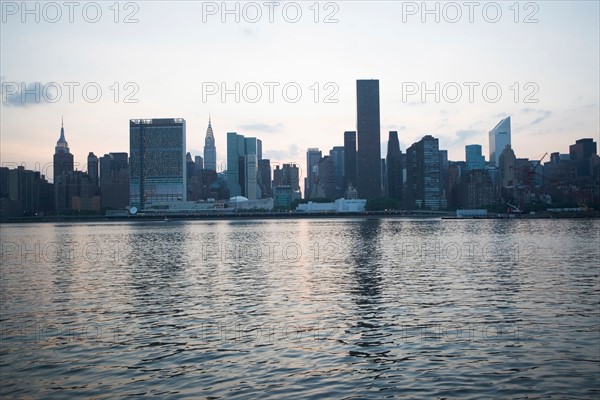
point(527, 183)
point(582, 197)
point(529, 178)
point(532, 172)
point(513, 209)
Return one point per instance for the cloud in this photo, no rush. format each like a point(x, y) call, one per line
point(462, 137)
point(394, 128)
point(291, 154)
point(265, 128)
point(540, 115)
point(528, 110)
point(22, 94)
point(543, 117)
point(248, 31)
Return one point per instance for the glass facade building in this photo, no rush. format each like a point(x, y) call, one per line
point(242, 165)
point(499, 139)
point(157, 161)
point(473, 156)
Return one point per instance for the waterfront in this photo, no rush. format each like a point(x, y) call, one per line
point(336, 308)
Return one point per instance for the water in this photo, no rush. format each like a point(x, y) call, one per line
point(309, 308)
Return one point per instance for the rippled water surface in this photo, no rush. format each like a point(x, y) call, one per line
point(353, 308)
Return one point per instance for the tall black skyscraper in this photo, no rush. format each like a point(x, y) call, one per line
point(394, 167)
point(92, 168)
point(369, 150)
point(313, 155)
point(63, 169)
point(114, 181)
point(350, 158)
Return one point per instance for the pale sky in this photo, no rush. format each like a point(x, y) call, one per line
point(172, 56)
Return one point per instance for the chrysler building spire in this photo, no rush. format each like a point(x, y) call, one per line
point(210, 150)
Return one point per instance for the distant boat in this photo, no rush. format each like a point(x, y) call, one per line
point(166, 219)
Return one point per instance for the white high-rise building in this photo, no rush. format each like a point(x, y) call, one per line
point(499, 138)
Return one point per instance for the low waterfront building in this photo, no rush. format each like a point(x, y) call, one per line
point(340, 205)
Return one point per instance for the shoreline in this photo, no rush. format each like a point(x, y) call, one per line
point(449, 215)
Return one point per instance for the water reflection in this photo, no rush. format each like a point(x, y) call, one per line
point(364, 308)
point(367, 261)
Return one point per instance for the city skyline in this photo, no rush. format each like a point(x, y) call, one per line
point(62, 147)
point(565, 91)
point(304, 199)
point(62, 150)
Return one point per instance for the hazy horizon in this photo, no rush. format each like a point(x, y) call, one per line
point(171, 58)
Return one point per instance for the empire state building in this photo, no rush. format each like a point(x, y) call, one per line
point(63, 159)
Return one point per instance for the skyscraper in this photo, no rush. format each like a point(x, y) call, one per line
point(242, 165)
point(24, 192)
point(190, 166)
point(63, 159)
point(581, 154)
point(157, 161)
point(473, 157)
point(235, 151)
point(199, 161)
point(350, 158)
point(337, 157)
point(63, 168)
point(499, 138)
point(368, 128)
point(114, 181)
point(253, 146)
point(394, 167)
point(210, 150)
point(507, 167)
point(423, 173)
point(313, 155)
point(476, 189)
point(325, 179)
point(287, 176)
point(92, 168)
point(291, 176)
point(264, 178)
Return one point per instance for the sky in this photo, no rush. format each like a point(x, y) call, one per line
point(449, 69)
